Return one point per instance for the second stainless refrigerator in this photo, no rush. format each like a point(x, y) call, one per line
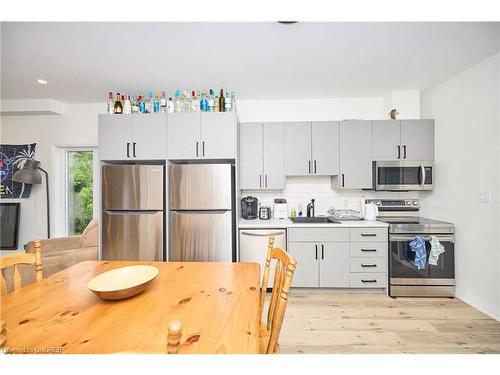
point(201, 218)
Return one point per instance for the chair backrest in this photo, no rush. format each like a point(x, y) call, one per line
point(283, 275)
point(20, 258)
point(174, 336)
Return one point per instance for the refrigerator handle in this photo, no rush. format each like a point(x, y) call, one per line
point(198, 212)
point(128, 149)
point(132, 212)
point(196, 148)
point(203, 148)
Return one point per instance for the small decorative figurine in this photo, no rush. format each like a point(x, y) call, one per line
point(393, 114)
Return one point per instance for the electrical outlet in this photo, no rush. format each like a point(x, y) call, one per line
point(484, 197)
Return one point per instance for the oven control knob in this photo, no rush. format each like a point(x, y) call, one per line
point(415, 203)
point(379, 203)
point(408, 203)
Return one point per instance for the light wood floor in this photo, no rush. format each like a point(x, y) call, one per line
point(327, 321)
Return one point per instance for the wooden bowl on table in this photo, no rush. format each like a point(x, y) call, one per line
point(123, 282)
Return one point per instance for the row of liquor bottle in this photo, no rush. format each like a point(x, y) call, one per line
point(204, 101)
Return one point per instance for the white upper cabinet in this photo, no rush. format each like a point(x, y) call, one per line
point(184, 135)
point(311, 148)
point(218, 135)
point(325, 148)
point(251, 155)
point(403, 140)
point(355, 156)
point(386, 140)
point(274, 155)
point(297, 148)
point(126, 137)
point(417, 139)
point(261, 159)
point(202, 135)
point(150, 136)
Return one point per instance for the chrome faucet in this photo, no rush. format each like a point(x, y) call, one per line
point(310, 209)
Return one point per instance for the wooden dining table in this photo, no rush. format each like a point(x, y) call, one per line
point(217, 303)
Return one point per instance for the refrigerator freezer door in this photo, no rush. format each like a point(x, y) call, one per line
point(132, 187)
point(202, 236)
point(200, 186)
point(132, 235)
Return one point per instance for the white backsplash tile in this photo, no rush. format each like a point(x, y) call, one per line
point(300, 190)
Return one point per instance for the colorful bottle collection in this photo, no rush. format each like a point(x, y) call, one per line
point(184, 101)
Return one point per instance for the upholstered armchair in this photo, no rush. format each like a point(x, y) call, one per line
point(63, 252)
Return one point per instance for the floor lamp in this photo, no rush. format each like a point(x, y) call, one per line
point(30, 174)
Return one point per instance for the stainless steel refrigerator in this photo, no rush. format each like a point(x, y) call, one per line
point(201, 218)
point(133, 212)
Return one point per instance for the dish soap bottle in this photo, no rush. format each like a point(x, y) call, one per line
point(293, 213)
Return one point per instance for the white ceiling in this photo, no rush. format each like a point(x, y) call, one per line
point(82, 61)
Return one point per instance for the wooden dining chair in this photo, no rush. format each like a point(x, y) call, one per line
point(3, 334)
point(283, 275)
point(17, 259)
point(174, 336)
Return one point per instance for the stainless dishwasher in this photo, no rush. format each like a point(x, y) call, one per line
point(254, 243)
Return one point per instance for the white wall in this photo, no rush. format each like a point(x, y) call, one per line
point(466, 109)
point(77, 127)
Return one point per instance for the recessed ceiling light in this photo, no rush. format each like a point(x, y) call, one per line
point(41, 81)
point(287, 22)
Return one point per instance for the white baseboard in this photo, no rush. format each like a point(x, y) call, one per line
point(479, 305)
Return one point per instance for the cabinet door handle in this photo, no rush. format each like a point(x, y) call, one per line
point(343, 180)
point(196, 149)
point(315, 166)
point(309, 166)
point(404, 152)
point(368, 265)
point(203, 148)
point(265, 177)
point(133, 149)
point(128, 149)
point(322, 251)
point(368, 234)
point(369, 281)
point(399, 152)
point(316, 248)
point(260, 180)
point(368, 250)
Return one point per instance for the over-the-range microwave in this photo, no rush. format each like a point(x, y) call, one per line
point(403, 175)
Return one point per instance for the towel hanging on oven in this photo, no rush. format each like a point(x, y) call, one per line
point(418, 247)
point(436, 250)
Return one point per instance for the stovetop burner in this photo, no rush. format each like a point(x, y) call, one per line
point(402, 217)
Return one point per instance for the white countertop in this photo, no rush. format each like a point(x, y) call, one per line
point(287, 223)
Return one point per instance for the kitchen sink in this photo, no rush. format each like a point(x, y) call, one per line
point(314, 220)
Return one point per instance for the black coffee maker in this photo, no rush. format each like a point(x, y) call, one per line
point(249, 208)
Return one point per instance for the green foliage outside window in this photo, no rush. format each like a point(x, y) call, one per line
point(80, 186)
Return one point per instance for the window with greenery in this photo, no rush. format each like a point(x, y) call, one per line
point(80, 190)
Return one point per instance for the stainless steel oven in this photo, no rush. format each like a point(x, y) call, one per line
point(434, 280)
point(405, 277)
point(403, 175)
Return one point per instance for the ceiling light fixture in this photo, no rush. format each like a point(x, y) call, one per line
point(41, 81)
point(287, 22)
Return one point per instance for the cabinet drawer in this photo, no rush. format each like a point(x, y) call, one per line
point(368, 265)
point(319, 234)
point(368, 280)
point(368, 249)
point(368, 234)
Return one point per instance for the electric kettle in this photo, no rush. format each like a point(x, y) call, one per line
point(371, 211)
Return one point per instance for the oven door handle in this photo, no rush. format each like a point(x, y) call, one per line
point(441, 238)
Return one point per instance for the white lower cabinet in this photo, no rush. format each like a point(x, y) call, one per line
point(307, 271)
point(334, 265)
point(338, 257)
